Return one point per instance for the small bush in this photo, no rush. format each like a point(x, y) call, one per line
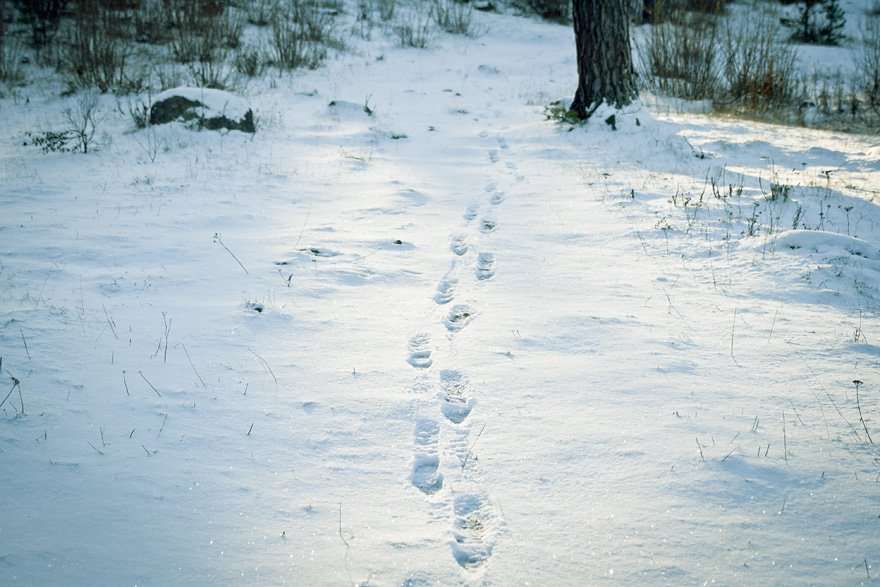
point(681, 59)
point(555, 10)
point(454, 16)
point(868, 65)
point(759, 71)
point(10, 61)
point(43, 17)
point(94, 58)
point(300, 35)
point(82, 120)
point(202, 29)
point(414, 30)
point(251, 61)
point(78, 135)
point(214, 73)
point(152, 23)
point(261, 12)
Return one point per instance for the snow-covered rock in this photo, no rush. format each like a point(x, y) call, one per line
point(203, 108)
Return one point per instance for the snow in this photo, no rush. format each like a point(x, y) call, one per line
point(498, 351)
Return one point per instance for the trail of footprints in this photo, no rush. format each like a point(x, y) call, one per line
point(474, 521)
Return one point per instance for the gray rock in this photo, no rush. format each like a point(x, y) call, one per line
point(203, 108)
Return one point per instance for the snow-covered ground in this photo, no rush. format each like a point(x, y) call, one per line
point(448, 343)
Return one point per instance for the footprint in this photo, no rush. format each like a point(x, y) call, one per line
point(488, 225)
point(485, 266)
point(426, 464)
point(458, 244)
point(420, 351)
point(470, 212)
point(445, 291)
point(459, 316)
point(472, 531)
point(497, 198)
point(456, 402)
point(493, 156)
point(502, 142)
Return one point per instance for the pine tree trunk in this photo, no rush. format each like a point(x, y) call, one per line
point(605, 69)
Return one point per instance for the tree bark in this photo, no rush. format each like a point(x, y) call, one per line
point(605, 69)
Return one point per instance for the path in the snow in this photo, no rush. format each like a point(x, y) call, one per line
point(492, 352)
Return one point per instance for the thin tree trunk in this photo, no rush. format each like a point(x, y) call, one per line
point(605, 69)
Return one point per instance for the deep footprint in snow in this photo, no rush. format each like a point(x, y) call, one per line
point(485, 266)
point(420, 351)
point(426, 475)
point(458, 245)
point(472, 530)
point(488, 225)
point(471, 212)
point(493, 156)
point(456, 402)
point(445, 291)
point(459, 316)
point(497, 198)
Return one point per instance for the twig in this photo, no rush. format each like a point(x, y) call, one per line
point(341, 535)
point(219, 240)
point(784, 438)
point(153, 387)
point(146, 450)
point(188, 358)
point(96, 449)
point(265, 364)
point(467, 456)
point(773, 324)
point(24, 340)
point(111, 322)
point(732, 334)
point(250, 429)
point(729, 454)
point(162, 427)
point(852, 428)
point(125, 383)
point(11, 389)
point(700, 448)
point(859, 407)
point(167, 323)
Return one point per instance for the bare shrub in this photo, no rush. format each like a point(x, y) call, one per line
point(93, 57)
point(759, 69)
point(386, 9)
point(203, 29)
point(261, 12)
point(214, 73)
point(43, 17)
point(151, 23)
point(868, 65)
point(680, 58)
point(555, 10)
point(251, 61)
point(414, 30)
point(10, 60)
point(300, 35)
point(82, 120)
point(454, 16)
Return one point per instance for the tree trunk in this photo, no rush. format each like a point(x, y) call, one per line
point(605, 69)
